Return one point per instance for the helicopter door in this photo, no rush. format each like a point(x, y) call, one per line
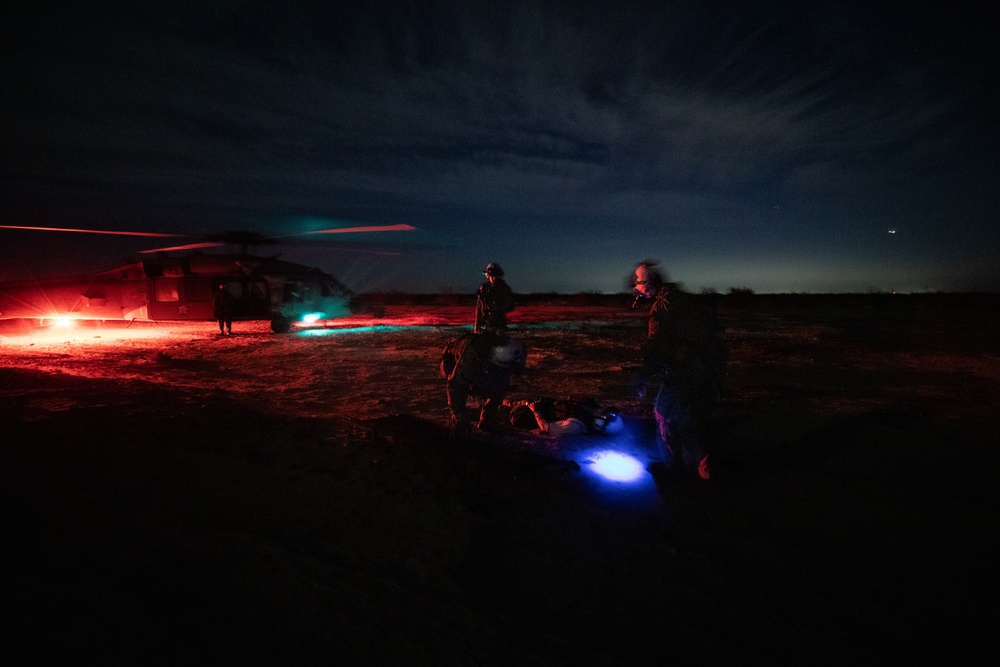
point(180, 298)
point(251, 299)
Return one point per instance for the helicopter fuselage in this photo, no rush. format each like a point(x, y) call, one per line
point(182, 289)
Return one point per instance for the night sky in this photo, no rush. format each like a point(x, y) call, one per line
point(781, 146)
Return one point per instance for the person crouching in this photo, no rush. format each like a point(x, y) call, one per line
point(481, 365)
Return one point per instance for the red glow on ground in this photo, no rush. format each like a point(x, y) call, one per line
point(98, 334)
point(83, 333)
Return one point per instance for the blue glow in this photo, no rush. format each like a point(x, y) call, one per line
point(616, 466)
point(336, 331)
point(312, 317)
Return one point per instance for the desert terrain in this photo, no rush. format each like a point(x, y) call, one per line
point(170, 496)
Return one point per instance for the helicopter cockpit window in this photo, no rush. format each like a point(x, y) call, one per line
point(166, 289)
point(292, 292)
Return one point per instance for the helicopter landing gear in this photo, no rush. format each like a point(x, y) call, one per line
point(281, 324)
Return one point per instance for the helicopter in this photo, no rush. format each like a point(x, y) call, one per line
point(168, 287)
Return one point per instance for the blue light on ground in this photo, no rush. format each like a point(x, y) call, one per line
point(616, 477)
point(616, 466)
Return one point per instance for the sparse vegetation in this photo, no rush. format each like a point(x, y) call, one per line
point(283, 499)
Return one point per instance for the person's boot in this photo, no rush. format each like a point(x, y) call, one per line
point(459, 427)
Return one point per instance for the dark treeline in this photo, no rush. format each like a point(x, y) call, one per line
point(741, 299)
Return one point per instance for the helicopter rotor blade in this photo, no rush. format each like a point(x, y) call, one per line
point(357, 230)
point(241, 238)
point(190, 246)
point(94, 231)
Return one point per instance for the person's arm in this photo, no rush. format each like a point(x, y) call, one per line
point(480, 312)
point(508, 299)
point(571, 426)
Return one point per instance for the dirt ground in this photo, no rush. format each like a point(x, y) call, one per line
point(169, 496)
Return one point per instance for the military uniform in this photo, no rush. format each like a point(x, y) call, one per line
point(685, 353)
point(471, 366)
point(494, 300)
point(223, 305)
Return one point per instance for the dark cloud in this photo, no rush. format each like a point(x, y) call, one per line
point(773, 127)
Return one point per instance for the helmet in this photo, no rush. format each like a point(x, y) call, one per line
point(508, 353)
point(608, 423)
point(493, 269)
point(646, 280)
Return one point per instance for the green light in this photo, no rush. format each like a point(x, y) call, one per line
point(336, 331)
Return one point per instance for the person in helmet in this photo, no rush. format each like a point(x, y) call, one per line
point(478, 364)
point(566, 417)
point(684, 353)
point(222, 306)
point(493, 301)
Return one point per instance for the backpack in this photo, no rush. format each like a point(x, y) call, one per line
point(449, 358)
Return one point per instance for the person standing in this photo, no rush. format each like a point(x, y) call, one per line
point(223, 310)
point(686, 355)
point(493, 301)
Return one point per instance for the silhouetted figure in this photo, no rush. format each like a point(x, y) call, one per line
point(479, 365)
point(493, 301)
point(685, 353)
point(223, 310)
